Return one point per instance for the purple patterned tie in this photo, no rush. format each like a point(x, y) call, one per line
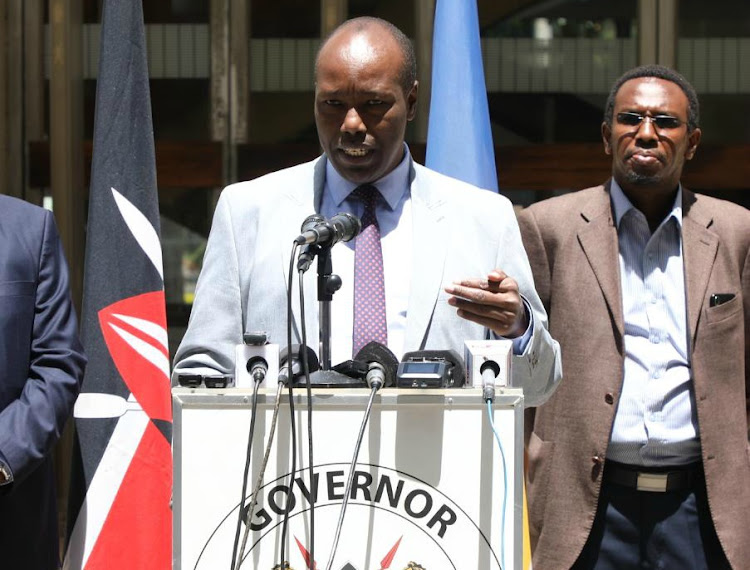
point(369, 285)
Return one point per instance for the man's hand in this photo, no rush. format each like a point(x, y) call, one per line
point(493, 302)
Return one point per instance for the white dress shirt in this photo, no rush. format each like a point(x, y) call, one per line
point(656, 422)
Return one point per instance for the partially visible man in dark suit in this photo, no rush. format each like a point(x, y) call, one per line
point(641, 457)
point(42, 367)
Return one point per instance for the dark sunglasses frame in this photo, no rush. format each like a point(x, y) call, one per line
point(661, 122)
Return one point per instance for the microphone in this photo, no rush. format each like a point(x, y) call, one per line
point(382, 365)
point(257, 366)
point(489, 370)
point(312, 221)
point(290, 362)
point(341, 227)
point(309, 251)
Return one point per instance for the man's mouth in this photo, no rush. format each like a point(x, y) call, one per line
point(645, 158)
point(355, 152)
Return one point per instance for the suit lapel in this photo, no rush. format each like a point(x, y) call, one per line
point(598, 240)
point(300, 206)
point(699, 247)
point(429, 220)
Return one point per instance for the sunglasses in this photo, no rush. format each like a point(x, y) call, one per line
point(661, 122)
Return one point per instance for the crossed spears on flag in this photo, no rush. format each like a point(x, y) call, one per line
point(135, 335)
point(92, 405)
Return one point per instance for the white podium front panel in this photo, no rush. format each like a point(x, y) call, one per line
point(429, 484)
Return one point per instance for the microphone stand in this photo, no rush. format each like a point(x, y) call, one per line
point(328, 284)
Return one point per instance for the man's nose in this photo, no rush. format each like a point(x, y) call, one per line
point(646, 130)
point(353, 123)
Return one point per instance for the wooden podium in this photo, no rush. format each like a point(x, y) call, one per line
point(429, 484)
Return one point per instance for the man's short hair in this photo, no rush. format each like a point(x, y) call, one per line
point(660, 72)
point(408, 72)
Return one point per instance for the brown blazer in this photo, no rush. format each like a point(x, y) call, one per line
point(571, 242)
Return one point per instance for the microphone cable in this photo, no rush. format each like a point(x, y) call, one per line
point(290, 387)
point(308, 390)
point(259, 480)
point(306, 370)
point(376, 385)
point(274, 421)
point(248, 456)
point(490, 417)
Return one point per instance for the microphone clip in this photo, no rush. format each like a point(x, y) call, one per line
point(255, 358)
point(488, 360)
point(306, 255)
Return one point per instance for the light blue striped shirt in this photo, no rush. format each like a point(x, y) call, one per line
point(656, 422)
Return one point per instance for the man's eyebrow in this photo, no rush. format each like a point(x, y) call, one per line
point(374, 93)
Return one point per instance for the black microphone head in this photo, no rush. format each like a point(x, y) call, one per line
point(309, 229)
point(292, 360)
point(374, 351)
point(257, 367)
point(255, 362)
point(345, 226)
point(491, 365)
point(311, 221)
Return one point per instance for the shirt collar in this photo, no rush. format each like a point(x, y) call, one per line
point(392, 186)
point(622, 204)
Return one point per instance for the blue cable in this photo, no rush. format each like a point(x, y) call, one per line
point(505, 480)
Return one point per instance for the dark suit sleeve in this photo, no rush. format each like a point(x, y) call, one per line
point(31, 423)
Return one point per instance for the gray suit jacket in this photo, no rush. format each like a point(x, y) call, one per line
point(572, 245)
point(459, 231)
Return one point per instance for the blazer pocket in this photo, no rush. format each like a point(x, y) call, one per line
point(540, 455)
point(17, 288)
point(724, 311)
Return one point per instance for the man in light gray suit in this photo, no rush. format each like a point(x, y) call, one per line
point(454, 265)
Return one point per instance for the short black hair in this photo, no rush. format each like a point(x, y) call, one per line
point(408, 72)
point(660, 72)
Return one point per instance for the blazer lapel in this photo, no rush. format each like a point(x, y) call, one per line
point(429, 220)
point(598, 240)
point(699, 247)
point(301, 206)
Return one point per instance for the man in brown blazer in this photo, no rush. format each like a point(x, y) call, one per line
point(641, 458)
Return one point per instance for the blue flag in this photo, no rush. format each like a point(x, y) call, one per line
point(459, 138)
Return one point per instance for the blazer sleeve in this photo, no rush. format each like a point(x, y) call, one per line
point(32, 422)
point(539, 369)
point(215, 325)
point(537, 254)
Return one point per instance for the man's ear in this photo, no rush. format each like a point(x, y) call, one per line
point(411, 101)
point(606, 138)
point(694, 138)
